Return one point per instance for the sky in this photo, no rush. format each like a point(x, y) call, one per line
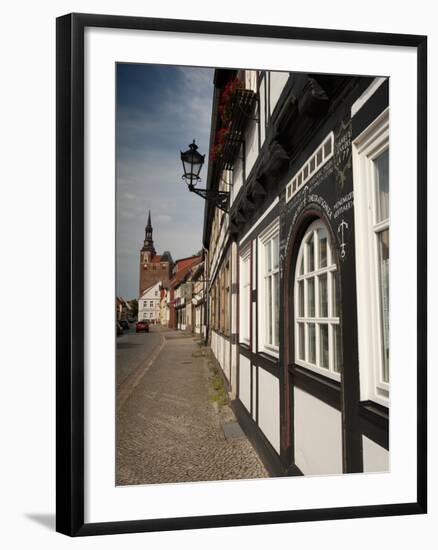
point(160, 110)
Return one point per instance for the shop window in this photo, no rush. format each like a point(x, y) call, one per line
point(269, 289)
point(316, 299)
point(371, 198)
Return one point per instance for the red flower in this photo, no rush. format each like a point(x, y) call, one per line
point(227, 97)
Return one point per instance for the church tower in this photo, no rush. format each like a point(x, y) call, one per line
point(153, 267)
point(148, 245)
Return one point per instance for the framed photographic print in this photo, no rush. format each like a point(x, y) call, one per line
point(234, 344)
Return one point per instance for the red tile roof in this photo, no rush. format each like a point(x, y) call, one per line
point(183, 271)
point(184, 262)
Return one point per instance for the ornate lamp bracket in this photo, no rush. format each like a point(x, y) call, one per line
point(221, 199)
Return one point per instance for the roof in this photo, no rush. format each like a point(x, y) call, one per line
point(198, 272)
point(181, 274)
point(167, 257)
point(181, 263)
point(150, 288)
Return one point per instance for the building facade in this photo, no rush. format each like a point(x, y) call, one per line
point(299, 266)
point(149, 304)
point(180, 293)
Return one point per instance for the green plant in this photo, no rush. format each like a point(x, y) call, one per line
point(219, 394)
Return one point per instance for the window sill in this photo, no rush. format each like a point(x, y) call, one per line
point(323, 388)
point(269, 353)
point(325, 373)
point(375, 413)
point(223, 334)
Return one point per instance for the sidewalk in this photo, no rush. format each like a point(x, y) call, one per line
point(169, 429)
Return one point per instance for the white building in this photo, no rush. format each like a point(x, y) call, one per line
point(149, 304)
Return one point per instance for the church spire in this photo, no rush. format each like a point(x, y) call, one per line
point(148, 241)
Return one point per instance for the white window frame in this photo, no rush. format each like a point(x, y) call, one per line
point(331, 320)
point(371, 143)
point(245, 295)
point(269, 234)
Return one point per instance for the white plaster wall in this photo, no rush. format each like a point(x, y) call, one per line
point(213, 343)
point(233, 370)
point(218, 348)
point(375, 457)
point(277, 83)
point(226, 358)
point(245, 381)
point(318, 435)
point(237, 178)
point(269, 407)
point(251, 80)
point(251, 146)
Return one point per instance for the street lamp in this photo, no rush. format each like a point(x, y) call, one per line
point(192, 162)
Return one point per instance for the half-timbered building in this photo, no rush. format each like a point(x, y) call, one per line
point(298, 265)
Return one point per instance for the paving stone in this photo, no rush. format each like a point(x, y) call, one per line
point(169, 431)
point(232, 430)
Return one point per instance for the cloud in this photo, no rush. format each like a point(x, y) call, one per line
point(160, 110)
point(163, 218)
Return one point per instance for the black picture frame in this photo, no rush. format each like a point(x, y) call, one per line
point(70, 273)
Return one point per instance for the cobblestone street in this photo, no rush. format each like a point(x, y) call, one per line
point(169, 427)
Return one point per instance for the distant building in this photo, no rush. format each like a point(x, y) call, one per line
point(164, 307)
point(198, 301)
point(179, 294)
point(149, 304)
point(153, 267)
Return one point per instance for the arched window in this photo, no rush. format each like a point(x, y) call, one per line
point(317, 327)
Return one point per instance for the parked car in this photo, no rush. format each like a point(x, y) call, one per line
point(125, 324)
point(119, 328)
point(142, 326)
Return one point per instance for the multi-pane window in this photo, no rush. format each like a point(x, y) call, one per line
point(227, 299)
point(213, 307)
point(245, 295)
point(381, 240)
point(372, 220)
point(222, 300)
point(269, 292)
point(316, 299)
